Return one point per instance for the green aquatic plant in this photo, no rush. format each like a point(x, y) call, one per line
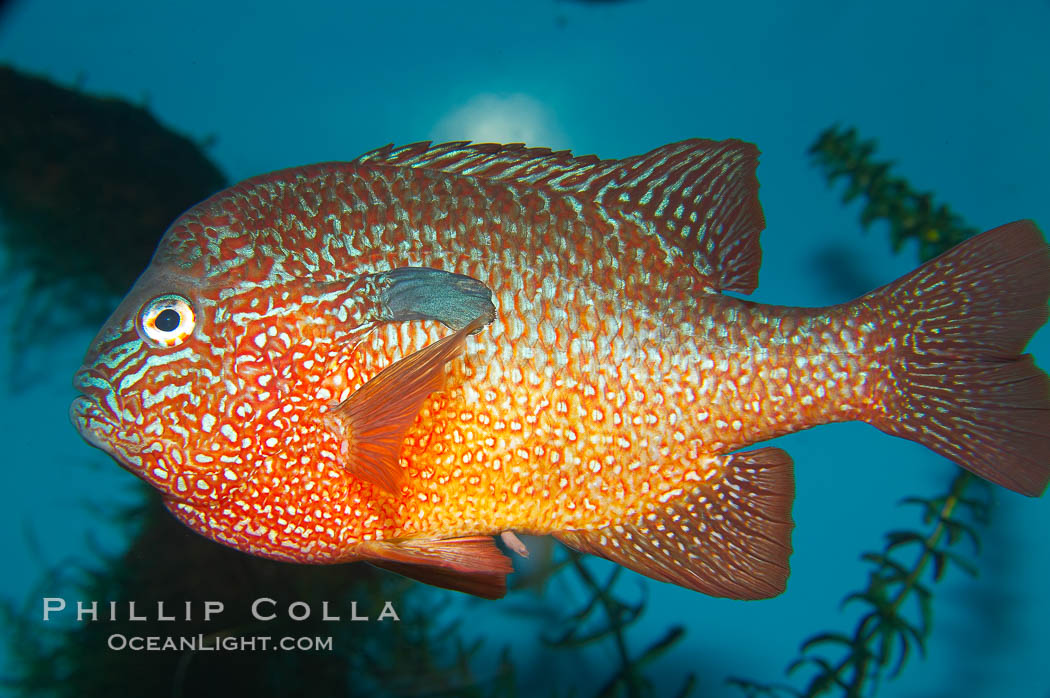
point(909, 214)
point(606, 616)
point(897, 601)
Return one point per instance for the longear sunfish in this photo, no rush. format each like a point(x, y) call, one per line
point(396, 358)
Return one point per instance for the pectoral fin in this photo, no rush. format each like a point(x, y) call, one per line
point(472, 565)
point(423, 293)
point(373, 421)
point(730, 536)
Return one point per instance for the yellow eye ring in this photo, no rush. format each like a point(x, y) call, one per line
point(167, 321)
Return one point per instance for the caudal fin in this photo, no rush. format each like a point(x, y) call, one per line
point(961, 385)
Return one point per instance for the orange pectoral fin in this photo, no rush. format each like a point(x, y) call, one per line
point(471, 565)
point(373, 421)
point(728, 537)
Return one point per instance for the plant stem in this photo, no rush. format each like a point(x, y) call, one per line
point(866, 631)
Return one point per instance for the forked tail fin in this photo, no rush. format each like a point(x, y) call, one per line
point(960, 385)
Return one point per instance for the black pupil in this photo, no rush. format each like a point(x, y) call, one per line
point(168, 320)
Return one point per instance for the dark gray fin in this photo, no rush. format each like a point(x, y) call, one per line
point(728, 536)
point(423, 293)
point(372, 422)
point(472, 565)
point(699, 196)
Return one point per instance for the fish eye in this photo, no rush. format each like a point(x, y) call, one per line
point(166, 321)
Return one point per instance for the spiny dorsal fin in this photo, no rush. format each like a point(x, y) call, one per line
point(511, 162)
point(733, 541)
point(698, 195)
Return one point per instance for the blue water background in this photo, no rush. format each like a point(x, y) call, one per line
point(958, 94)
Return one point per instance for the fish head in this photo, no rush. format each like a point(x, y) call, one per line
point(226, 355)
point(181, 383)
point(150, 370)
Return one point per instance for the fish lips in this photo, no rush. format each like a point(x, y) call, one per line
point(91, 420)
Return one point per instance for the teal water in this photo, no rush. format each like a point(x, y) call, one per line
point(958, 94)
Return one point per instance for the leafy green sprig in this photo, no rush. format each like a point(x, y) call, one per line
point(910, 214)
point(605, 616)
point(898, 599)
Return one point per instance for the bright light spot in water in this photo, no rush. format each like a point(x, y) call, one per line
point(490, 118)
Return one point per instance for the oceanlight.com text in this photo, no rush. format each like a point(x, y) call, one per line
point(208, 643)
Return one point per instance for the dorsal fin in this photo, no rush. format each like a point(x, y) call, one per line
point(698, 195)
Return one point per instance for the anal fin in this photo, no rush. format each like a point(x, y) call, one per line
point(729, 536)
point(472, 565)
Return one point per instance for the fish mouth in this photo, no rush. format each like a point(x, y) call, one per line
point(94, 423)
point(85, 414)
